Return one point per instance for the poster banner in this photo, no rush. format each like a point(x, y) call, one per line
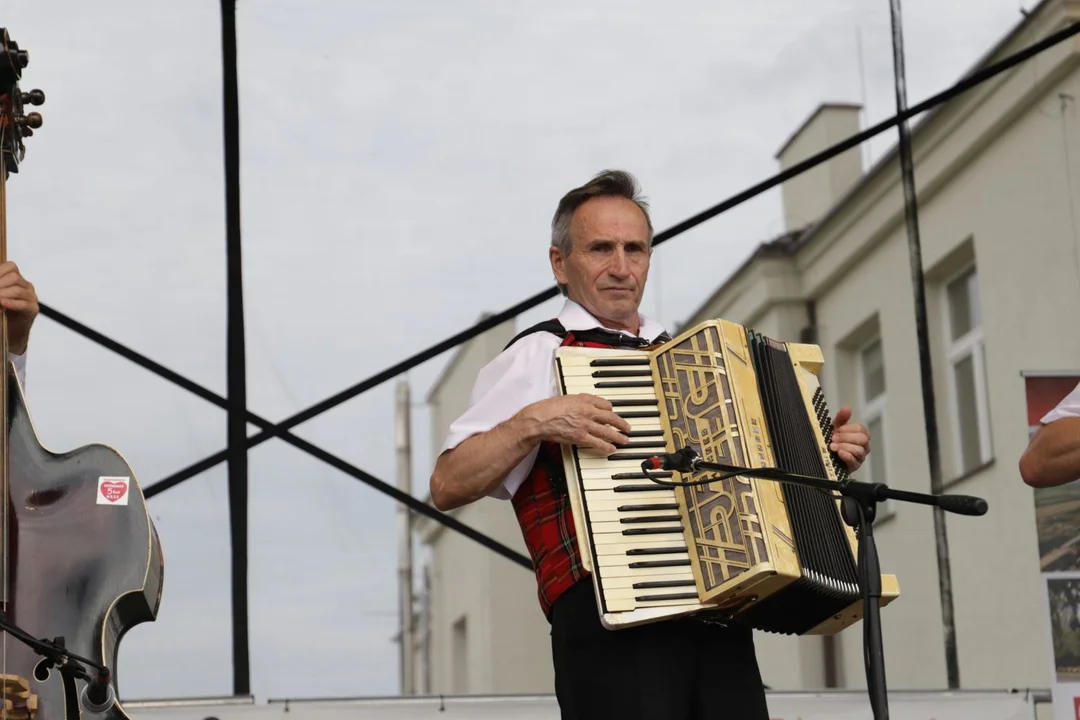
point(835, 705)
point(1062, 593)
point(1057, 518)
point(1057, 510)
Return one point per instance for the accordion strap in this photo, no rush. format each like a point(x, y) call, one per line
point(598, 335)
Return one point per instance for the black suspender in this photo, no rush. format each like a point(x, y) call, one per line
point(597, 335)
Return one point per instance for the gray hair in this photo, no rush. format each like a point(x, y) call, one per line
point(609, 183)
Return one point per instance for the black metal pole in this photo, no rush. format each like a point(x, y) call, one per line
point(933, 448)
point(236, 368)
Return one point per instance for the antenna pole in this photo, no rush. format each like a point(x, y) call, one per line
point(933, 448)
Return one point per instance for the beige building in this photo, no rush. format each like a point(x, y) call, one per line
point(995, 169)
point(486, 631)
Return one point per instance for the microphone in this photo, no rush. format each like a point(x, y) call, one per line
point(684, 460)
point(98, 696)
point(962, 504)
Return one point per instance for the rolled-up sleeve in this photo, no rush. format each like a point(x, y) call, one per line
point(516, 378)
point(1069, 407)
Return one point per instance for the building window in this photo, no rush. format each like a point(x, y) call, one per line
point(967, 372)
point(872, 403)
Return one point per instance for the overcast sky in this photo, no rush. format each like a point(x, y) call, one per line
point(401, 162)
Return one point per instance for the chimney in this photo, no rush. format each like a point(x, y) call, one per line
point(811, 194)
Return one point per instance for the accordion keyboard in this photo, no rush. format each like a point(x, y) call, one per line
point(633, 529)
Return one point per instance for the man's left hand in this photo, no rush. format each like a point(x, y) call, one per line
point(19, 299)
point(850, 441)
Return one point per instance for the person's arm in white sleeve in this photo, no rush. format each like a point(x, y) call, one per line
point(1052, 457)
point(19, 300)
point(513, 408)
point(500, 445)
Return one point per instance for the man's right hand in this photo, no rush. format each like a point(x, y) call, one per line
point(474, 468)
point(582, 419)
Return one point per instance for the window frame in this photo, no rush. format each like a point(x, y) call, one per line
point(870, 410)
point(970, 344)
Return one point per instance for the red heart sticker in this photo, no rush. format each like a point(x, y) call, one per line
point(112, 491)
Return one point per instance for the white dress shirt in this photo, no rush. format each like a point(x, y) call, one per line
point(1068, 407)
point(520, 376)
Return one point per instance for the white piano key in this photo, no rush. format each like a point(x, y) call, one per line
point(623, 570)
point(629, 497)
point(597, 515)
point(657, 529)
point(653, 544)
point(636, 596)
point(685, 582)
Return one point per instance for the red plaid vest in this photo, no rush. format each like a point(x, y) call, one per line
point(541, 503)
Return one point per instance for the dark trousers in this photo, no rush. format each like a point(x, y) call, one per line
point(682, 669)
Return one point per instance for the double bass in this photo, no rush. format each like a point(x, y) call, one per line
point(80, 558)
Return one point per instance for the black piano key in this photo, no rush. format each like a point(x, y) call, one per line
point(609, 362)
point(639, 414)
point(630, 402)
point(650, 518)
point(674, 529)
point(622, 373)
point(645, 433)
point(661, 474)
point(625, 384)
point(670, 596)
point(639, 488)
point(649, 584)
point(656, 506)
point(645, 444)
point(655, 550)
point(645, 564)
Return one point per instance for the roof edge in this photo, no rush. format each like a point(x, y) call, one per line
point(822, 107)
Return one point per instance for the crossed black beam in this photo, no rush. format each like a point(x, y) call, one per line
point(269, 430)
point(282, 429)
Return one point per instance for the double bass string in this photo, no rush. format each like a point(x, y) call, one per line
point(4, 129)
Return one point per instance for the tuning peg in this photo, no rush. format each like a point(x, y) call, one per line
point(31, 120)
point(18, 58)
point(34, 97)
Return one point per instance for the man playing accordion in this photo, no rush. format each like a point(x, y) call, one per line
point(507, 445)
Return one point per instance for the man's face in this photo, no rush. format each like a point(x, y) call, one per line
point(608, 262)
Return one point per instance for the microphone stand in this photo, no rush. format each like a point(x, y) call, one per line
point(70, 666)
point(858, 508)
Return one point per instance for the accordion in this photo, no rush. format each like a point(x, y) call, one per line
point(775, 556)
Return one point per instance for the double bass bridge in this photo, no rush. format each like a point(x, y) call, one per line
point(19, 702)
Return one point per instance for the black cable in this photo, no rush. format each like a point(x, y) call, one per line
point(215, 399)
point(762, 472)
point(51, 650)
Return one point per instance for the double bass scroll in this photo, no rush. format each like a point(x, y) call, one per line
point(80, 558)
